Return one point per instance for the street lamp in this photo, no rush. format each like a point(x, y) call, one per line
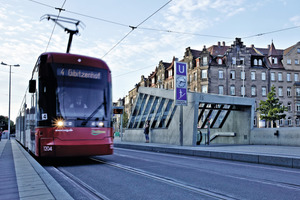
point(17, 65)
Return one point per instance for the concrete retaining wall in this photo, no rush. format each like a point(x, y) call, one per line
point(265, 136)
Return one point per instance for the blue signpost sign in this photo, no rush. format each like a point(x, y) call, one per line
point(180, 91)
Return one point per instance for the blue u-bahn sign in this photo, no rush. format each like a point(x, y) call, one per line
point(180, 91)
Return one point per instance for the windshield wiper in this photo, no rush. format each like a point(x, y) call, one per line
point(95, 111)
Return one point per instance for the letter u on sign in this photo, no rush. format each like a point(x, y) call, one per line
point(181, 69)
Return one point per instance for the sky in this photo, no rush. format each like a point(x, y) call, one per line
point(164, 29)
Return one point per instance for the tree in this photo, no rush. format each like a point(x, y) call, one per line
point(4, 124)
point(125, 119)
point(271, 109)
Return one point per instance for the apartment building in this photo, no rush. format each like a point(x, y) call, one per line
point(236, 70)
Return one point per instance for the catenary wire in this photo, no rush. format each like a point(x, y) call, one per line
point(164, 30)
point(133, 28)
point(59, 11)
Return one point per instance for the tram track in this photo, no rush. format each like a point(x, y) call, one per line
point(81, 186)
point(166, 180)
point(240, 177)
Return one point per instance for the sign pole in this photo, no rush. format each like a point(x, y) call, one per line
point(180, 93)
point(181, 125)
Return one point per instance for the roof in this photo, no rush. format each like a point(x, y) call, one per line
point(273, 51)
point(216, 50)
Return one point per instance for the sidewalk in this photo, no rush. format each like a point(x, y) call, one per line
point(21, 177)
point(286, 156)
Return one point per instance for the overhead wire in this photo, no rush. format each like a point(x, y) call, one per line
point(275, 31)
point(59, 11)
point(162, 30)
point(133, 71)
point(134, 27)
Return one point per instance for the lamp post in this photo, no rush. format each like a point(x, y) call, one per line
point(17, 65)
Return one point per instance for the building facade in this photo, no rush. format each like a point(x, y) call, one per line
point(236, 70)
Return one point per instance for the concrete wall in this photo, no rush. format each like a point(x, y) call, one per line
point(265, 136)
point(239, 122)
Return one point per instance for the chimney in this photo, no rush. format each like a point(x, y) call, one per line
point(224, 43)
point(219, 43)
point(269, 46)
point(252, 45)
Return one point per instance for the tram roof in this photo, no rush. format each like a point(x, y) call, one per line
point(75, 59)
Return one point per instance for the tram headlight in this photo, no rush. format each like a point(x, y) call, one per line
point(101, 124)
point(59, 123)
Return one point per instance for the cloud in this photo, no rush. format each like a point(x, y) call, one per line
point(295, 20)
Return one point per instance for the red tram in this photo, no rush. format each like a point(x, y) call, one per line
point(67, 109)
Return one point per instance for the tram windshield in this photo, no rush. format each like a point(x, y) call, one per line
point(82, 93)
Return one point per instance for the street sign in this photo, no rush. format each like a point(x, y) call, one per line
point(180, 91)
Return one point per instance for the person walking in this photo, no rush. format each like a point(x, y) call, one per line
point(0, 135)
point(146, 131)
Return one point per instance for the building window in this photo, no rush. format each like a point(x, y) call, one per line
point(191, 78)
point(272, 76)
point(242, 75)
point(221, 74)
point(296, 77)
point(297, 92)
point(290, 122)
point(263, 76)
point(195, 76)
point(253, 91)
point(289, 91)
point(232, 90)
point(233, 60)
point(288, 77)
point(279, 76)
point(232, 75)
point(252, 76)
point(289, 61)
point(298, 107)
point(221, 89)
point(204, 74)
point(242, 61)
point(204, 88)
point(298, 50)
point(297, 121)
point(260, 62)
point(264, 91)
point(296, 62)
point(195, 88)
point(289, 106)
point(191, 64)
point(204, 60)
point(220, 61)
point(255, 62)
point(280, 92)
point(281, 122)
point(170, 73)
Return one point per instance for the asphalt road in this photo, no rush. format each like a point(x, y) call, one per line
point(132, 174)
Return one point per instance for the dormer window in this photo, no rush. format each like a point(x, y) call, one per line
point(298, 50)
point(255, 62)
point(273, 60)
point(220, 61)
point(260, 62)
